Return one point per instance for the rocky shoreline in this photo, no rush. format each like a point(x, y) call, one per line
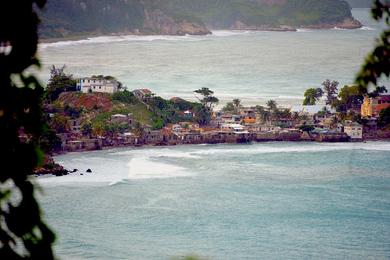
point(190, 28)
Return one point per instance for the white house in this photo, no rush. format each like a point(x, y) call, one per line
point(354, 130)
point(98, 84)
point(235, 128)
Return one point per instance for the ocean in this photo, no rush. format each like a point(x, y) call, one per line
point(253, 201)
point(252, 66)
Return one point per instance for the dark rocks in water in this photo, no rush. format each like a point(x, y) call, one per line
point(89, 170)
point(81, 173)
point(50, 167)
point(74, 170)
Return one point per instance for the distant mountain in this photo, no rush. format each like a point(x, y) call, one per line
point(63, 18)
point(360, 3)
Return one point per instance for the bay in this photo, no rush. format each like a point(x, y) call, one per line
point(252, 66)
point(259, 201)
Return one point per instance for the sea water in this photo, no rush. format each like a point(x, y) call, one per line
point(252, 66)
point(259, 201)
point(254, 201)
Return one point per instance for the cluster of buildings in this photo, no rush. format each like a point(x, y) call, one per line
point(245, 125)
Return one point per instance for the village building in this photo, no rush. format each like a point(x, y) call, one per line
point(75, 125)
point(142, 94)
point(188, 114)
point(153, 137)
point(98, 84)
point(354, 130)
point(235, 128)
point(121, 118)
point(371, 107)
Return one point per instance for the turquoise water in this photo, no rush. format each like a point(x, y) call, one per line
point(253, 66)
point(259, 201)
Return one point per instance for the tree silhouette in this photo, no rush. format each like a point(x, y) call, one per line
point(377, 63)
point(23, 234)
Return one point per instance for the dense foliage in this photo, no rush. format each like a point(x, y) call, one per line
point(73, 17)
point(384, 117)
point(23, 234)
point(377, 63)
point(59, 82)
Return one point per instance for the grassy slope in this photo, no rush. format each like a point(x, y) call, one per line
point(99, 107)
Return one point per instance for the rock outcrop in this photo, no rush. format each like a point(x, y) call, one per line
point(158, 22)
point(347, 23)
point(238, 25)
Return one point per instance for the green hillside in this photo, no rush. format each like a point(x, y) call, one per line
point(77, 17)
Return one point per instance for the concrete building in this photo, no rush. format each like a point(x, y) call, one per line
point(98, 84)
point(142, 94)
point(371, 107)
point(354, 130)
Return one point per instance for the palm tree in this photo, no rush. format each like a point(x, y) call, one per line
point(237, 105)
point(272, 105)
point(264, 114)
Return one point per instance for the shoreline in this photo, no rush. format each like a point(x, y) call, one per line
point(88, 36)
point(53, 169)
point(216, 143)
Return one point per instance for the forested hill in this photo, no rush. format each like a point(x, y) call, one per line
point(63, 18)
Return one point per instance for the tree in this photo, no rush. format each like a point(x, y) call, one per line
point(264, 114)
point(208, 101)
point(229, 107)
point(306, 128)
point(384, 117)
point(49, 141)
point(330, 90)
point(59, 82)
point(124, 97)
point(377, 63)
point(312, 95)
point(59, 123)
point(98, 129)
point(350, 97)
point(23, 233)
point(272, 105)
point(237, 105)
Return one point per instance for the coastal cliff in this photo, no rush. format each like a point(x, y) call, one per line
point(157, 22)
point(68, 18)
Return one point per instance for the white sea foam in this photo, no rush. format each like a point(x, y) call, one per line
point(227, 33)
point(113, 169)
point(303, 30)
point(339, 29)
point(366, 28)
point(144, 168)
point(156, 153)
point(123, 38)
point(298, 148)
